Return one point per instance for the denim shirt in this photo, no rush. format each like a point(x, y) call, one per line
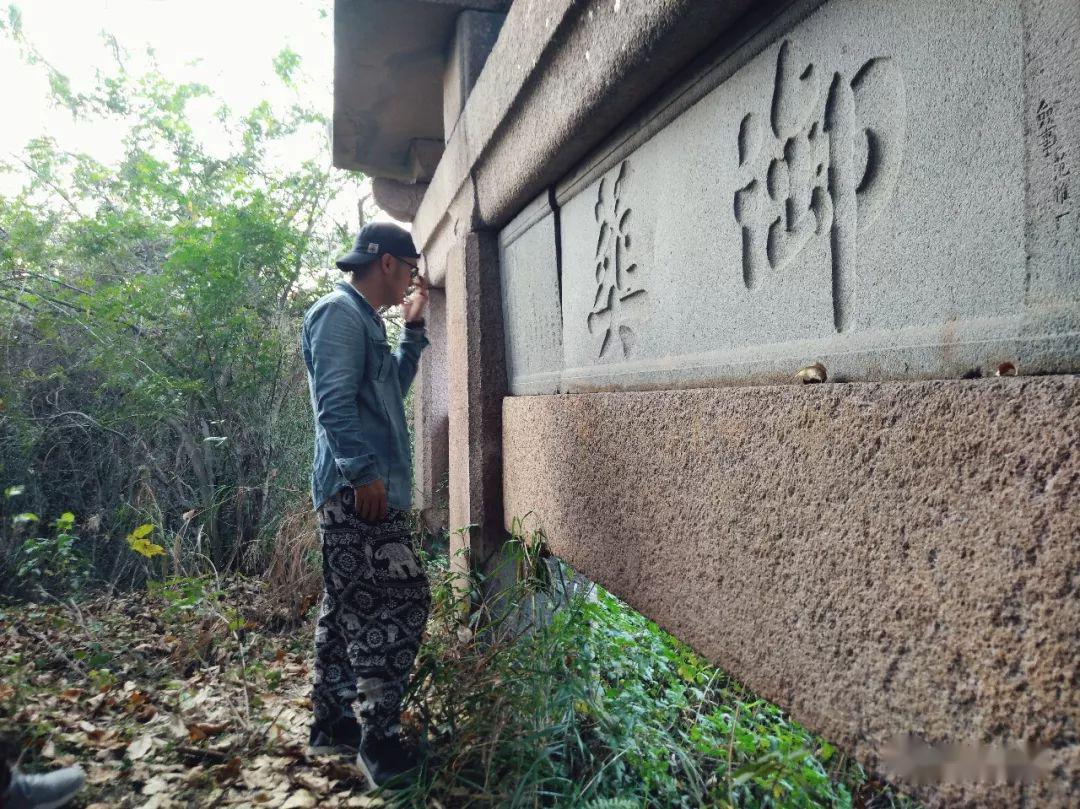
point(358, 389)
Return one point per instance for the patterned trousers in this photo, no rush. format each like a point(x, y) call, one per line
point(374, 607)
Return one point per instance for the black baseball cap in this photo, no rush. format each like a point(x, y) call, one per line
point(376, 238)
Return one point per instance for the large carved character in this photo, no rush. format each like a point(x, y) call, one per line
point(833, 174)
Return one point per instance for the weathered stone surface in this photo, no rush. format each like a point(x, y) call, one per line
point(398, 199)
point(571, 72)
point(424, 156)
point(878, 559)
point(388, 70)
point(431, 419)
point(530, 26)
point(477, 387)
point(530, 288)
point(382, 101)
point(859, 192)
point(475, 33)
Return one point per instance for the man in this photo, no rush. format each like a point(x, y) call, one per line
point(376, 597)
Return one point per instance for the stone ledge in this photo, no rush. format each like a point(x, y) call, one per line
point(389, 58)
point(878, 559)
point(560, 67)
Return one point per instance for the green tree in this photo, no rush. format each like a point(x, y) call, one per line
point(149, 314)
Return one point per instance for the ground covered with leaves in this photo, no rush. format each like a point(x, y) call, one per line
point(168, 706)
point(195, 693)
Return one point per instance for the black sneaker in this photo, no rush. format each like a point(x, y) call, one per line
point(341, 738)
point(385, 761)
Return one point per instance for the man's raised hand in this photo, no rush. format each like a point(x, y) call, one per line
point(413, 306)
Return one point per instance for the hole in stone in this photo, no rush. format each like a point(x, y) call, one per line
point(1006, 369)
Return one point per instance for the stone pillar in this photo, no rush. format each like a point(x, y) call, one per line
point(431, 416)
point(477, 387)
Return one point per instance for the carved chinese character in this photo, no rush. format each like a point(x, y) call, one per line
point(616, 284)
point(823, 167)
point(1044, 116)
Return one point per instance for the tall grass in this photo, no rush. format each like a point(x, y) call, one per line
point(564, 696)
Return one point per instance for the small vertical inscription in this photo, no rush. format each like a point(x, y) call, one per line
point(1054, 154)
point(616, 281)
point(830, 165)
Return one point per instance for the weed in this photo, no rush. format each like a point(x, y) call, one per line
point(561, 695)
point(51, 563)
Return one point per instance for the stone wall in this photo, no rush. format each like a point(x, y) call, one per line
point(886, 190)
point(650, 215)
point(882, 188)
point(878, 559)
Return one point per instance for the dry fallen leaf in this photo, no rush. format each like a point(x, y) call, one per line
point(177, 727)
point(313, 783)
point(228, 771)
point(301, 799)
point(159, 802)
point(100, 775)
point(366, 801)
point(99, 701)
point(140, 747)
point(156, 786)
point(197, 731)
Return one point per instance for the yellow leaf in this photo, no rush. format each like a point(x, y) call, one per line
point(145, 547)
point(142, 532)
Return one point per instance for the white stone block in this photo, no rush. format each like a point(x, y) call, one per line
point(530, 291)
point(888, 188)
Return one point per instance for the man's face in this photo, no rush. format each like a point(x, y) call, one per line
point(405, 273)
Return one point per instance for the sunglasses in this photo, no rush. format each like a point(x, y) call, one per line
point(414, 269)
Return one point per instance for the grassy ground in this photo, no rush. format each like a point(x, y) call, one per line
point(196, 694)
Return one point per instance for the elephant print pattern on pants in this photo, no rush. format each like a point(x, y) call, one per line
point(374, 608)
